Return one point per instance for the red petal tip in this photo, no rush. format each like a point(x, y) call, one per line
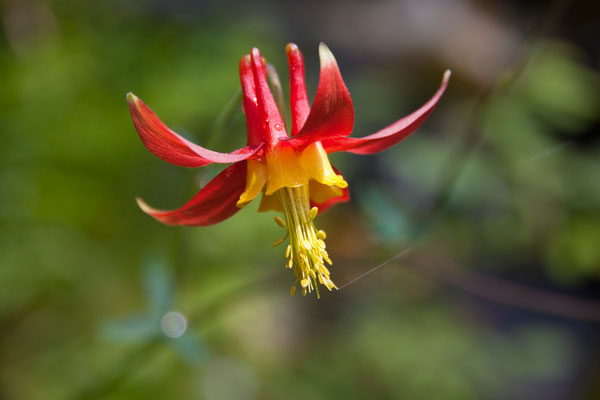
point(325, 55)
point(144, 206)
point(446, 75)
point(131, 98)
point(291, 47)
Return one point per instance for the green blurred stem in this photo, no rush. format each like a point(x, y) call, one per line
point(224, 118)
point(277, 92)
point(127, 365)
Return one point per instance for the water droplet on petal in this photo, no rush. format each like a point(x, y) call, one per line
point(278, 127)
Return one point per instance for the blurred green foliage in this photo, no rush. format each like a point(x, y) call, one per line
point(86, 277)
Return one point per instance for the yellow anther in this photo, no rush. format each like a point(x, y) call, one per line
point(280, 221)
point(288, 251)
point(293, 290)
point(277, 243)
point(304, 282)
point(322, 235)
point(313, 213)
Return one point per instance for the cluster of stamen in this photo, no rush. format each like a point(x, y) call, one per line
point(306, 252)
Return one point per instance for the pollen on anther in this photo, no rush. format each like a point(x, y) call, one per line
point(313, 213)
point(279, 221)
point(322, 235)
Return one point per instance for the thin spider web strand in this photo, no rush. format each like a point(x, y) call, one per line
point(547, 152)
point(370, 271)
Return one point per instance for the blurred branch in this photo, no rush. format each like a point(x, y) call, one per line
point(495, 289)
point(506, 292)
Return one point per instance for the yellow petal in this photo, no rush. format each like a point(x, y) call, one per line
point(320, 193)
point(283, 168)
point(270, 203)
point(315, 162)
point(256, 177)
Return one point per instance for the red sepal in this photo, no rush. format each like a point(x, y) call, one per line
point(214, 203)
point(390, 135)
point(250, 103)
point(171, 147)
point(298, 97)
point(331, 114)
point(273, 127)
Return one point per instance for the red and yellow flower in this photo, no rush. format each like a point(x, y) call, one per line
point(292, 172)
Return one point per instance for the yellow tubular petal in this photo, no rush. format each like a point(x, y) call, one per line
point(270, 203)
point(256, 177)
point(320, 193)
point(315, 162)
point(283, 168)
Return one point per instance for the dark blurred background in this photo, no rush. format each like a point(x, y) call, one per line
point(490, 213)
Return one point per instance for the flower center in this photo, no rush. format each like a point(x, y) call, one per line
point(306, 251)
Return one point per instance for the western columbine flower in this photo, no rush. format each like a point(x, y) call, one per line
point(292, 172)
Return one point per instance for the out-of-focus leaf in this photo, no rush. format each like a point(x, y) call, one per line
point(132, 330)
point(158, 286)
point(559, 88)
point(573, 250)
point(389, 221)
point(191, 349)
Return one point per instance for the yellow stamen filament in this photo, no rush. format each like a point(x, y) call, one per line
point(306, 252)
